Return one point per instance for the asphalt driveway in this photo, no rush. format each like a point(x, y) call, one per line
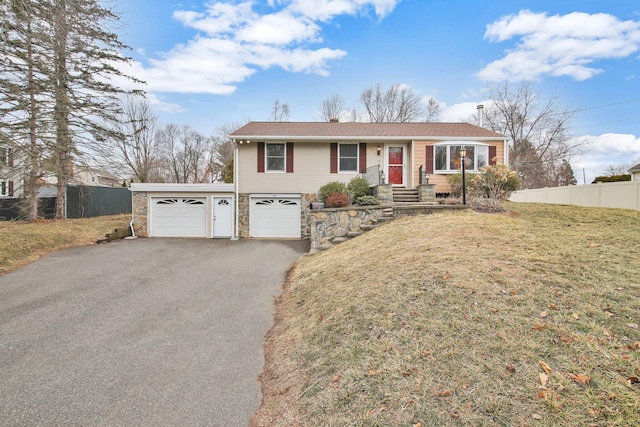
point(140, 332)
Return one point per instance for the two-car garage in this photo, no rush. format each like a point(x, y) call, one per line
point(209, 211)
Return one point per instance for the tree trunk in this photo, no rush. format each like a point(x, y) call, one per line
point(63, 143)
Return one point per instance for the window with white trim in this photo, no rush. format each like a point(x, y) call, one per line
point(275, 155)
point(447, 158)
point(348, 158)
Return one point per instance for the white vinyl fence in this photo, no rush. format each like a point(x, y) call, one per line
point(624, 195)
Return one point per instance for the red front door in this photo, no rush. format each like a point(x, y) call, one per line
point(396, 165)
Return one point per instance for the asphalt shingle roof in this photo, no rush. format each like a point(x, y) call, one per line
point(363, 130)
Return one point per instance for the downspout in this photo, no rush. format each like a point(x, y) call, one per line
point(235, 189)
point(506, 152)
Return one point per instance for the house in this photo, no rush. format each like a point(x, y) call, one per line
point(8, 174)
point(280, 166)
point(86, 175)
point(635, 172)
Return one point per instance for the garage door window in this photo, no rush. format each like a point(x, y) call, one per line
point(274, 202)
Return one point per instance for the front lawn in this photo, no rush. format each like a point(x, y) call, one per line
point(23, 242)
point(529, 318)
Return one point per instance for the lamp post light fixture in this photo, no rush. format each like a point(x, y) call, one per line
point(463, 154)
point(379, 149)
point(426, 177)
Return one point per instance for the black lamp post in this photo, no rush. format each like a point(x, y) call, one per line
point(463, 153)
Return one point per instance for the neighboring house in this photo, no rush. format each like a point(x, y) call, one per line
point(280, 166)
point(84, 175)
point(9, 179)
point(635, 172)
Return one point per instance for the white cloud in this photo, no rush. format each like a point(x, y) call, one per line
point(460, 112)
point(279, 28)
point(559, 45)
point(234, 42)
point(602, 151)
point(324, 10)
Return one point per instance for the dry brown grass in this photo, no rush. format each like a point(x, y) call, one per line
point(23, 242)
point(450, 319)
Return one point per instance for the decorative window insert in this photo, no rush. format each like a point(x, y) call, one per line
point(348, 157)
point(167, 202)
point(447, 158)
point(275, 157)
point(270, 202)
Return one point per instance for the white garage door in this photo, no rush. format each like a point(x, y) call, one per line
point(275, 217)
point(178, 217)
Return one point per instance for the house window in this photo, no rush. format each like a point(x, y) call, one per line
point(3, 156)
point(3, 188)
point(275, 157)
point(447, 157)
point(348, 157)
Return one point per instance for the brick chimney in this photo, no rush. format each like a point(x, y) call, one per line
point(334, 120)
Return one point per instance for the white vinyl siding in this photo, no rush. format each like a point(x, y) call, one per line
point(311, 170)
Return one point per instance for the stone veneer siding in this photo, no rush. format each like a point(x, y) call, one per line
point(140, 213)
point(383, 192)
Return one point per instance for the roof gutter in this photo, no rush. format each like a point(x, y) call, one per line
point(332, 138)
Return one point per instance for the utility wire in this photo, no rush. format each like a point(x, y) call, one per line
point(605, 105)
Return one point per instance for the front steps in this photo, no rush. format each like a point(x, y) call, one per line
point(405, 195)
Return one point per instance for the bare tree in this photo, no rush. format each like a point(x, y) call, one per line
point(538, 130)
point(134, 144)
point(433, 110)
point(279, 112)
point(187, 152)
point(333, 107)
point(397, 104)
point(223, 152)
point(614, 169)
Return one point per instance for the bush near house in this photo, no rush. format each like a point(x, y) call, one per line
point(493, 185)
point(329, 188)
point(337, 200)
point(358, 187)
point(455, 182)
point(367, 201)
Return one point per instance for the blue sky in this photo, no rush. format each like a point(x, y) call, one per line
point(210, 63)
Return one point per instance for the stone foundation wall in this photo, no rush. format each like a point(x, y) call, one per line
point(140, 213)
point(330, 224)
point(427, 192)
point(383, 192)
